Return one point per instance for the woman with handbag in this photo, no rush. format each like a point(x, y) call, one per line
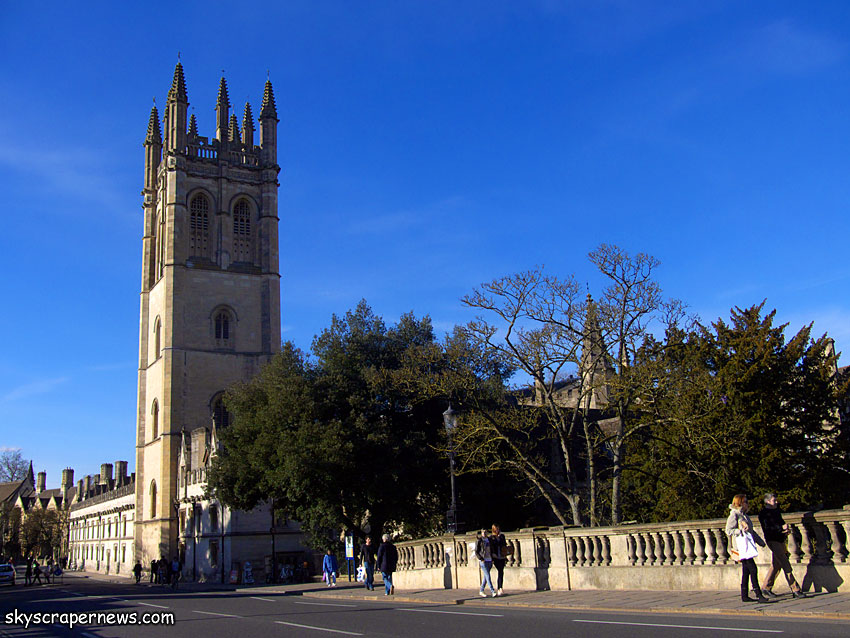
point(743, 540)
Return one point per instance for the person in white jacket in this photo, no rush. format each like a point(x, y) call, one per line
point(737, 525)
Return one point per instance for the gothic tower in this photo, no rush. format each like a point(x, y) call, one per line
point(210, 299)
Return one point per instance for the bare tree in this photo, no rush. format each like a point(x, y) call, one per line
point(13, 467)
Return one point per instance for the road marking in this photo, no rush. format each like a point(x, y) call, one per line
point(214, 613)
point(457, 613)
point(152, 605)
point(334, 631)
point(647, 624)
point(269, 600)
point(88, 635)
point(325, 604)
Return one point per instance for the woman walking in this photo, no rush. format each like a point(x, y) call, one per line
point(739, 528)
point(387, 561)
point(485, 561)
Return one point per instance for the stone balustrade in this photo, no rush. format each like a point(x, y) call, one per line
point(688, 555)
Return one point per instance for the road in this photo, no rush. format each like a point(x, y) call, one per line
point(241, 614)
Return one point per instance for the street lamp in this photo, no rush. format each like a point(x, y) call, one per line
point(450, 423)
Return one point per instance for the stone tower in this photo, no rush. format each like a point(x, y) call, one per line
point(210, 299)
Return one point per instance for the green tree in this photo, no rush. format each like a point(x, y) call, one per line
point(332, 439)
point(744, 410)
point(42, 533)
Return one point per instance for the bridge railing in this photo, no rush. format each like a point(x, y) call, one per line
point(690, 555)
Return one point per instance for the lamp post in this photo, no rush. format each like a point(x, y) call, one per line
point(450, 422)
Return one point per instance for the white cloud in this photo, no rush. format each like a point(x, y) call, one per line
point(33, 388)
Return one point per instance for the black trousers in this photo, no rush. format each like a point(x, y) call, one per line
point(751, 572)
point(499, 564)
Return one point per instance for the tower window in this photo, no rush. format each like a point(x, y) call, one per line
point(157, 338)
point(199, 226)
point(153, 499)
point(222, 326)
point(242, 231)
point(221, 417)
point(154, 419)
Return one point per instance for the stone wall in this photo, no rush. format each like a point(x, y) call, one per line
point(690, 555)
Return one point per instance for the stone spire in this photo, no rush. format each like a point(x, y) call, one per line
point(193, 125)
point(154, 134)
point(31, 476)
point(222, 112)
point(178, 85)
point(248, 126)
point(269, 108)
point(233, 132)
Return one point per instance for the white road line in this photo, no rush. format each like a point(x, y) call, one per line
point(269, 600)
point(457, 613)
point(325, 604)
point(213, 613)
point(152, 605)
point(647, 624)
point(334, 631)
point(76, 593)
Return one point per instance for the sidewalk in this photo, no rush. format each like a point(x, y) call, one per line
point(821, 605)
point(829, 606)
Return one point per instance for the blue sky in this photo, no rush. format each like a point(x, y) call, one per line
point(425, 147)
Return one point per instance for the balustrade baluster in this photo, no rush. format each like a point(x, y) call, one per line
point(631, 547)
point(710, 547)
point(580, 548)
point(795, 544)
point(699, 547)
point(651, 556)
point(722, 546)
point(606, 550)
point(840, 537)
point(808, 543)
point(658, 541)
point(823, 543)
point(571, 551)
point(678, 548)
point(669, 554)
point(641, 549)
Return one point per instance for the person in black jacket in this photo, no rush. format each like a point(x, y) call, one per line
point(499, 552)
point(775, 531)
point(387, 561)
point(367, 559)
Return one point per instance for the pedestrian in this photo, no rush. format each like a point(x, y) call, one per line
point(36, 573)
point(49, 571)
point(776, 530)
point(387, 561)
point(499, 551)
point(367, 559)
point(485, 562)
point(28, 574)
point(739, 528)
point(175, 573)
point(137, 571)
point(162, 571)
point(154, 572)
point(330, 567)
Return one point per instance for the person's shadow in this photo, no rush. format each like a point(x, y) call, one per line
point(821, 574)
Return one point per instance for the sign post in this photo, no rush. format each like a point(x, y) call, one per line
point(349, 553)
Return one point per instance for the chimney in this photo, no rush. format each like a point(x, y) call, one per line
point(41, 484)
point(80, 493)
point(88, 485)
point(67, 484)
point(120, 473)
point(106, 473)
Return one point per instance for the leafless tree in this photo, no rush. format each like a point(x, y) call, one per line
point(13, 467)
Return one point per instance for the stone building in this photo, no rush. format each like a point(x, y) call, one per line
point(100, 527)
point(210, 317)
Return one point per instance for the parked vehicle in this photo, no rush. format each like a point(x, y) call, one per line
point(7, 574)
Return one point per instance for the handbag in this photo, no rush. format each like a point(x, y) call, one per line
point(744, 547)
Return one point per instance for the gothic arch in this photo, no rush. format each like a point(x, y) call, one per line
point(157, 337)
point(154, 419)
point(201, 217)
point(244, 229)
point(153, 498)
point(221, 418)
point(223, 322)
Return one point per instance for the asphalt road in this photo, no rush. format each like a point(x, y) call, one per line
point(240, 614)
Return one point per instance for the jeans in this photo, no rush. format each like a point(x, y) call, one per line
point(388, 581)
point(330, 577)
point(486, 565)
point(370, 575)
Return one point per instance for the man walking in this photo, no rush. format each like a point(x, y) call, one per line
point(367, 559)
point(776, 531)
point(387, 561)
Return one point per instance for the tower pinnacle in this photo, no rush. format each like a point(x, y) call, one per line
point(223, 99)
point(178, 85)
point(269, 108)
point(154, 135)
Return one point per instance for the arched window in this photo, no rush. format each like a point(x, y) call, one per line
point(222, 326)
point(157, 338)
point(154, 419)
point(153, 499)
point(242, 232)
point(159, 245)
point(199, 226)
point(220, 415)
